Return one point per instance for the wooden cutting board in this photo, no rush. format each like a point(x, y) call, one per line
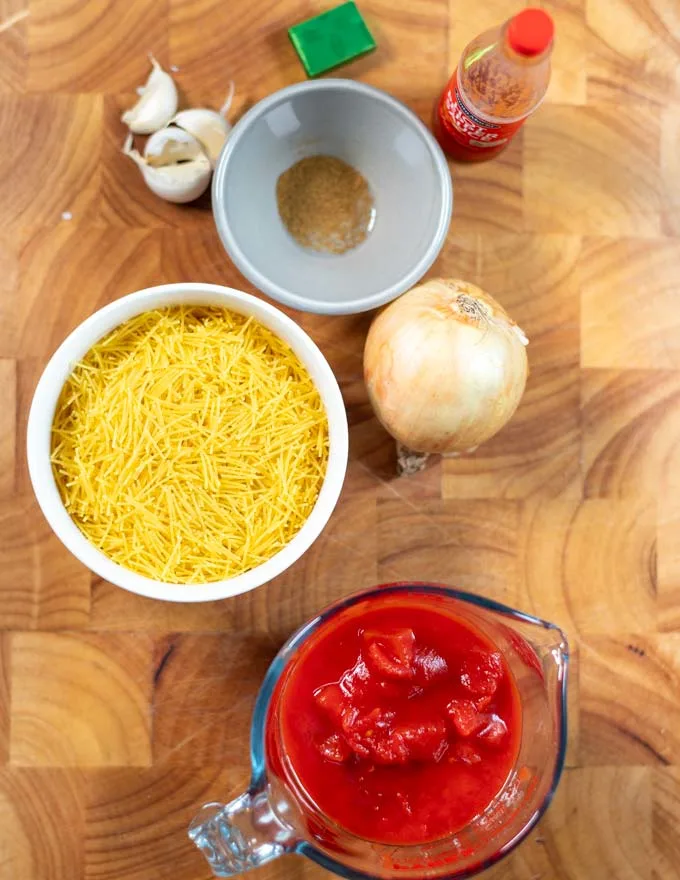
point(119, 716)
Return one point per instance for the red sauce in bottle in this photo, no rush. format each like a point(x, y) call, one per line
point(501, 79)
point(399, 720)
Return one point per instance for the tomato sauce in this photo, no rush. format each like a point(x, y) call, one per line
point(399, 720)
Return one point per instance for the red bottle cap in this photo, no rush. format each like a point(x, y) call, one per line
point(530, 32)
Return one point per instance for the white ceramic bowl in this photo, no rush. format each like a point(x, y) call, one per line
point(381, 138)
point(79, 343)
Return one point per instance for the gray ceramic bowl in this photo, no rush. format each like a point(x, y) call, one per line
point(382, 139)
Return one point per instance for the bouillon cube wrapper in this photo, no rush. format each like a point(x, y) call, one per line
point(331, 39)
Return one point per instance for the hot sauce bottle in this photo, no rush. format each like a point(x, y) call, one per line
point(501, 79)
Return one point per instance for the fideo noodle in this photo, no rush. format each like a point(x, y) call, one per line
point(190, 444)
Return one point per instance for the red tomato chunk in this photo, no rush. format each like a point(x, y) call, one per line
point(425, 740)
point(465, 717)
point(390, 654)
point(494, 730)
point(482, 672)
point(335, 749)
point(465, 754)
point(429, 666)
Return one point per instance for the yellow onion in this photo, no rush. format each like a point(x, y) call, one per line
point(445, 367)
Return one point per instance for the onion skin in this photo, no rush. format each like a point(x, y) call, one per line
point(445, 367)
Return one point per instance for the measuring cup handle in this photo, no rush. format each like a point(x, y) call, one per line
point(240, 835)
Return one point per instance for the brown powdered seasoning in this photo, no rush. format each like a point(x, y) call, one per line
point(325, 204)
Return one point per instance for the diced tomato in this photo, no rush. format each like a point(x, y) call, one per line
point(429, 666)
point(335, 749)
point(465, 717)
point(358, 746)
point(383, 664)
point(394, 690)
point(425, 740)
point(494, 731)
point(482, 672)
point(331, 699)
point(390, 654)
point(465, 754)
point(376, 719)
point(482, 703)
point(390, 749)
point(368, 730)
point(356, 681)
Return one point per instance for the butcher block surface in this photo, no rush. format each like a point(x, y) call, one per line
point(120, 716)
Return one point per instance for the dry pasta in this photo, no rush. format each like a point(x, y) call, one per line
point(190, 444)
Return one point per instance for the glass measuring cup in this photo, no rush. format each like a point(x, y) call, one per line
point(274, 817)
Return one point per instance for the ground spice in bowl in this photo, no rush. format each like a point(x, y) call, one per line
point(325, 204)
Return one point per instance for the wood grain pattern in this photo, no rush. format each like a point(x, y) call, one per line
point(471, 543)
point(665, 813)
point(618, 802)
point(102, 717)
point(607, 181)
point(624, 331)
point(640, 57)
point(43, 586)
point(668, 564)
point(52, 144)
point(65, 40)
point(631, 432)
point(670, 171)
point(603, 586)
point(8, 425)
point(81, 267)
point(126, 835)
point(13, 45)
point(42, 822)
point(120, 716)
point(9, 275)
point(214, 678)
point(489, 198)
point(5, 696)
point(617, 676)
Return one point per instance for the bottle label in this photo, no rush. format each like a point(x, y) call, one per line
point(466, 128)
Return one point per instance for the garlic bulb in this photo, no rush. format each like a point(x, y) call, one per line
point(207, 126)
point(175, 168)
point(157, 102)
point(445, 367)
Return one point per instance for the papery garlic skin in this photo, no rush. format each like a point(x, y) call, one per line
point(157, 103)
point(445, 367)
point(207, 126)
point(170, 145)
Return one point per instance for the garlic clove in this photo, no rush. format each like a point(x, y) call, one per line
point(157, 102)
point(207, 126)
point(210, 127)
point(179, 182)
point(170, 145)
